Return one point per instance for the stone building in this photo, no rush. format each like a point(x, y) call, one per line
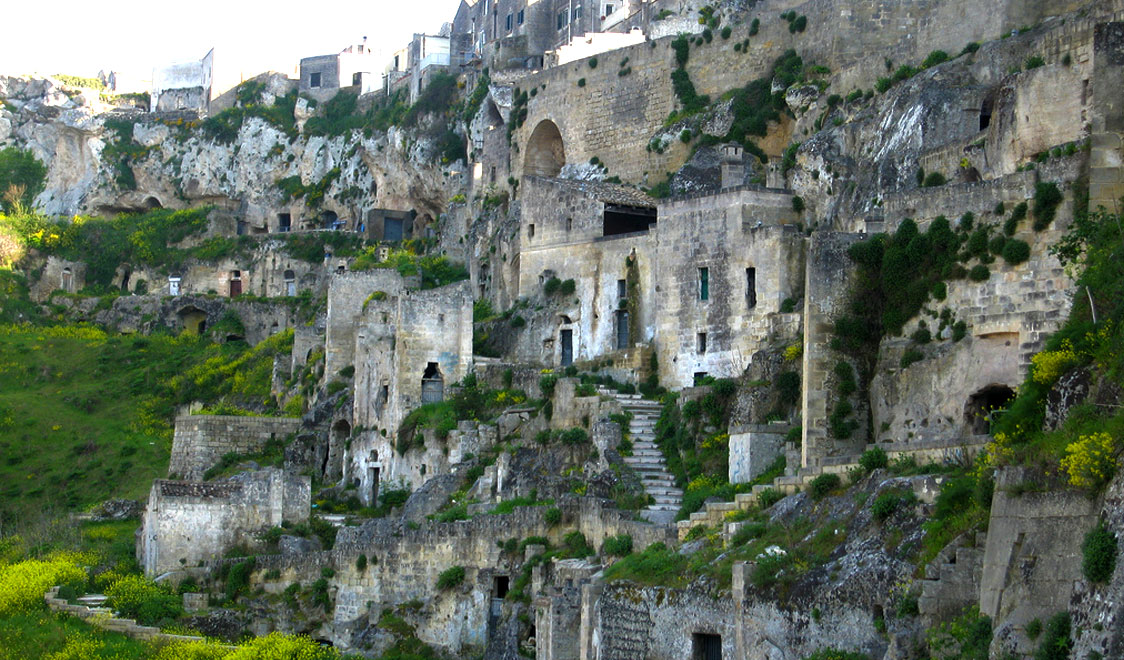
point(183, 86)
point(704, 280)
point(354, 68)
point(187, 523)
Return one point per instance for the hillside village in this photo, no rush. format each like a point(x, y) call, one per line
point(755, 329)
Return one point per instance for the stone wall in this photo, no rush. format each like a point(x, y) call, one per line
point(347, 299)
point(827, 284)
point(1032, 559)
point(1106, 176)
point(186, 522)
point(200, 441)
point(753, 448)
point(58, 275)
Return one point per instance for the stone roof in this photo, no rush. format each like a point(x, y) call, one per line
point(199, 489)
point(609, 193)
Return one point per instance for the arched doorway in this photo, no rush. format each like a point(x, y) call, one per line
point(329, 220)
point(332, 467)
point(984, 406)
point(545, 152)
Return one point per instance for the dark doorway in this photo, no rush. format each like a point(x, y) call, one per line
point(502, 582)
point(706, 647)
point(290, 283)
point(373, 473)
point(284, 222)
point(329, 220)
point(433, 384)
point(985, 406)
point(235, 283)
point(985, 112)
point(567, 339)
point(392, 229)
point(751, 287)
point(622, 329)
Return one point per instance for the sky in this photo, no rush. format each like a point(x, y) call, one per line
point(82, 37)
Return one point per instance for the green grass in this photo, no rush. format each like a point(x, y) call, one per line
point(38, 634)
point(86, 416)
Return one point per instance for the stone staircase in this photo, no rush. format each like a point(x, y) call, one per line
point(714, 514)
point(647, 459)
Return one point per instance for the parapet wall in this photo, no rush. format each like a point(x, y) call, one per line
point(200, 441)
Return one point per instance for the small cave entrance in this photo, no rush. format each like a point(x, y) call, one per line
point(193, 319)
point(985, 406)
point(706, 646)
point(329, 220)
point(152, 203)
point(502, 584)
point(332, 467)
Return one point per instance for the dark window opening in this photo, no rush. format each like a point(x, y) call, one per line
point(530, 231)
point(699, 377)
point(701, 343)
point(520, 21)
point(507, 23)
point(704, 284)
point(290, 283)
point(357, 79)
point(627, 219)
point(501, 586)
point(569, 224)
point(751, 287)
point(985, 406)
point(285, 221)
point(314, 79)
point(706, 647)
point(374, 479)
point(622, 289)
point(562, 15)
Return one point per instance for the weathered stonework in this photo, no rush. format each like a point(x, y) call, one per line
point(200, 441)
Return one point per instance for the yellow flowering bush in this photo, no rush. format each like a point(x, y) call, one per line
point(1091, 461)
point(80, 647)
point(206, 650)
point(716, 440)
point(23, 584)
point(794, 352)
point(1048, 366)
point(277, 646)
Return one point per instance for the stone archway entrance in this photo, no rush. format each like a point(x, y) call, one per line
point(545, 152)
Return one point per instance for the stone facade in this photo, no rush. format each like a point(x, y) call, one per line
point(187, 523)
point(200, 441)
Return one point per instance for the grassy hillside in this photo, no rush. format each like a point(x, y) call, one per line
point(86, 416)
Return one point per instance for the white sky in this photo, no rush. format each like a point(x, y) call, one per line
point(81, 37)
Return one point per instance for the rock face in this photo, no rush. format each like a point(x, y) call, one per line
point(180, 166)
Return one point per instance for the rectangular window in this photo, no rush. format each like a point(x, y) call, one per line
point(562, 16)
point(701, 343)
point(704, 284)
point(507, 22)
point(622, 289)
point(357, 78)
point(530, 231)
point(520, 20)
point(314, 79)
point(608, 9)
point(751, 287)
point(284, 221)
point(577, 12)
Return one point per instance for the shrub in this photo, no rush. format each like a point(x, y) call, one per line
point(617, 546)
point(1047, 197)
point(873, 459)
point(1056, 642)
point(769, 497)
point(361, 563)
point(23, 584)
point(823, 485)
point(936, 57)
point(138, 598)
point(657, 564)
point(1098, 554)
point(1016, 251)
point(910, 356)
point(450, 577)
point(798, 203)
point(1034, 61)
point(581, 82)
point(1091, 461)
point(979, 273)
point(934, 179)
point(553, 515)
point(567, 288)
point(1034, 629)
point(884, 506)
point(799, 24)
point(836, 654)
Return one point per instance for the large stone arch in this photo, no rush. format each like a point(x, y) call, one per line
point(545, 152)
